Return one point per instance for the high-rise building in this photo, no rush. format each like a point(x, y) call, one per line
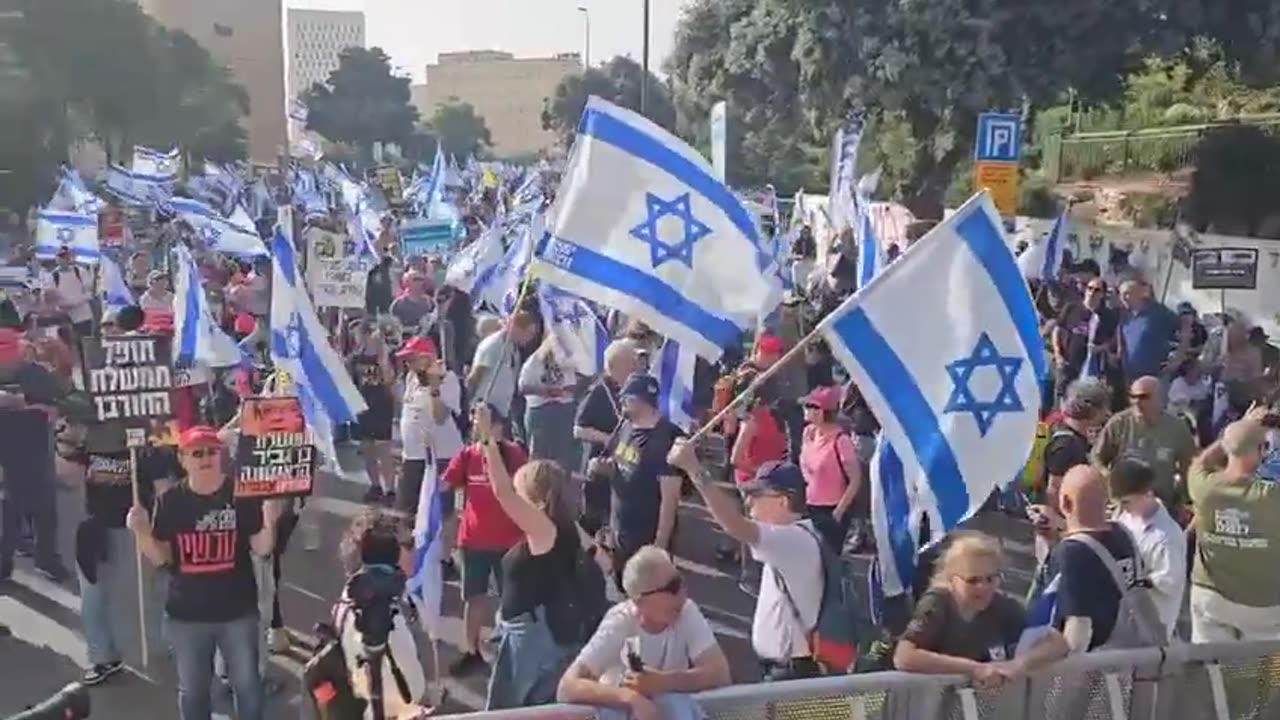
point(505, 90)
point(248, 37)
point(316, 39)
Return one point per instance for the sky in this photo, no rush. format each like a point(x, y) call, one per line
point(413, 32)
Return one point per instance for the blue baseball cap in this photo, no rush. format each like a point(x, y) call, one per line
point(643, 387)
point(783, 478)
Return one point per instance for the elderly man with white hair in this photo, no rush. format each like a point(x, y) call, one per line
point(649, 649)
point(597, 419)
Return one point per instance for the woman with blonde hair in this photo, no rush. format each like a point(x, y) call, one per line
point(532, 655)
point(964, 625)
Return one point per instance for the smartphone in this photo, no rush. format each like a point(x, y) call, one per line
point(634, 662)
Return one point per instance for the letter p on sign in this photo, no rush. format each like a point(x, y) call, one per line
point(999, 138)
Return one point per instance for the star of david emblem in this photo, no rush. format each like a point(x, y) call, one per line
point(985, 354)
point(210, 234)
point(660, 251)
point(293, 337)
point(66, 235)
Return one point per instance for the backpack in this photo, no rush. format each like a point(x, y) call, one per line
point(833, 640)
point(580, 604)
point(1138, 623)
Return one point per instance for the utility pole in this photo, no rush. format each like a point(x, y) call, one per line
point(586, 14)
point(644, 80)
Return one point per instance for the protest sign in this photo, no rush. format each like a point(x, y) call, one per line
point(337, 277)
point(1224, 268)
point(387, 179)
point(128, 378)
point(426, 237)
point(274, 455)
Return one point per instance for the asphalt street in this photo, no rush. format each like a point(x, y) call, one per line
point(47, 649)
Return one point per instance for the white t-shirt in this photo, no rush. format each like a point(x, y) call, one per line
point(492, 353)
point(1163, 548)
point(73, 285)
point(543, 371)
point(675, 648)
point(775, 634)
point(1182, 393)
point(163, 302)
point(419, 430)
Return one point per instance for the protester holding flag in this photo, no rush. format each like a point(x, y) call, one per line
point(494, 370)
point(428, 430)
point(535, 574)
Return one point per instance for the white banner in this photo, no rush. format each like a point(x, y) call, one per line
point(335, 274)
point(719, 139)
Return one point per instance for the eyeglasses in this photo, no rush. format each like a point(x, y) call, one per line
point(200, 453)
point(673, 587)
point(971, 580)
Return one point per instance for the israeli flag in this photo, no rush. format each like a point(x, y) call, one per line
point(425, 585)
point(298, 111)
point(73, 196)
point(675, 372)
point(844, 166)
point(474, 267)
point(945, 347)
point(1043, 261)
point(199, 339)
point(502, 289)
point(114, 291)
point(894, 520)
point(155, 163)
point(641, 224)
point(300, 347)
point(235, 235)
point(138, 189)
point(576, 329)
point(77, 231)
point(871, 255)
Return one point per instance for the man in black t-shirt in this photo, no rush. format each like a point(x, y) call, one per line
point(596, 421)
point(205, 535)
point(646, 489)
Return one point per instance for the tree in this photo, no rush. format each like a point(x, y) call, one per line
point(1236, 184)
point(619, 81)
point(362, 102)
point(201, 105)
point(460, 131)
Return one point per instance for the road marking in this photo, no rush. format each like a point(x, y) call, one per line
point(50, 590)
point(700, 569)
point(35, 628)
point(303, 591)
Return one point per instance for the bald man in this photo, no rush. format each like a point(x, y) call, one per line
point(1147, 432)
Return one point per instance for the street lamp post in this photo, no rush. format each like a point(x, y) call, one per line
point(586, 15)
point(644, 56)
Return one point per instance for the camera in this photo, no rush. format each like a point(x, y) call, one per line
point(375, 593)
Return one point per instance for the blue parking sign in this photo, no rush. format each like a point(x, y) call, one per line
point(999, 138)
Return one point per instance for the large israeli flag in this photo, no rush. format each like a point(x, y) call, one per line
point(235, 235)
point(301, 348)
point(76, 231)
point(641, 224)
point(473, 267)
point(198, 337)
point(945, 347)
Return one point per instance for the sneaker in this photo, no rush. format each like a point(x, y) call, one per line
point(54, 573)
point(278, 640)
point(99, 673)
point(373, 494)
point(470, 663)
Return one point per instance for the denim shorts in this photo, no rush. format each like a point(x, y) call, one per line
point(477, 567)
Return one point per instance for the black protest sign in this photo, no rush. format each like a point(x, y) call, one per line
point(129, 378)
point(1226, 268)
point(274, 455)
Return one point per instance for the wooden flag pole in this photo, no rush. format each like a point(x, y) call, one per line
point(134, 437)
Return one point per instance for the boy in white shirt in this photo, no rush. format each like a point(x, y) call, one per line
point(1158, 536)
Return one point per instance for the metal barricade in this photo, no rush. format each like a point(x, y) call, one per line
point(1226, 681)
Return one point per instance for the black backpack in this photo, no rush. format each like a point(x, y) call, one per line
point(580, 604)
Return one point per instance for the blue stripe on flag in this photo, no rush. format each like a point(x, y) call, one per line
point(191, 326)
point(912, 410)
point(987, 244)
point(897, 505)
point(609, 129)
point(69, 219)
point(648, 289)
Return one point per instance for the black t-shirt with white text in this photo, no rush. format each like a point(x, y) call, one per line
point(108, 487)
point(212, 578)
point(640, 456)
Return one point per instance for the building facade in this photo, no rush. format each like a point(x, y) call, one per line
point(247, 36)
point(316, 39)
point(506, 91)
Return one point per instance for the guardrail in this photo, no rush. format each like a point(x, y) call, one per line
point(1228, 681)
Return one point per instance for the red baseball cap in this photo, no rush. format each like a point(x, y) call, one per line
point(417, 346)
point(825, 398)
point(199, 436)
point(770, 345)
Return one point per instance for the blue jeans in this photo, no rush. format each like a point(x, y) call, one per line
point(194, 645)
point(548, 428)
point(109, 607)
point(528, 665)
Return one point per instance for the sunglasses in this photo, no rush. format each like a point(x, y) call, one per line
point(1095, 288)
point(1139, 396)
point(812, 406)
point(200, 453)
point(673, 587)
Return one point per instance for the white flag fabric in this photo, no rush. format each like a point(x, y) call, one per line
point(300, 346)
point(155, 163)
point(945, 347)
point(641, 224)
point(138, 189)
point(73, 196)
point(675, 370)
point(475, 265)
point(76, 231)
point(576, 329)
point(235, 235)
point(113, 290)
point(198, 337)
